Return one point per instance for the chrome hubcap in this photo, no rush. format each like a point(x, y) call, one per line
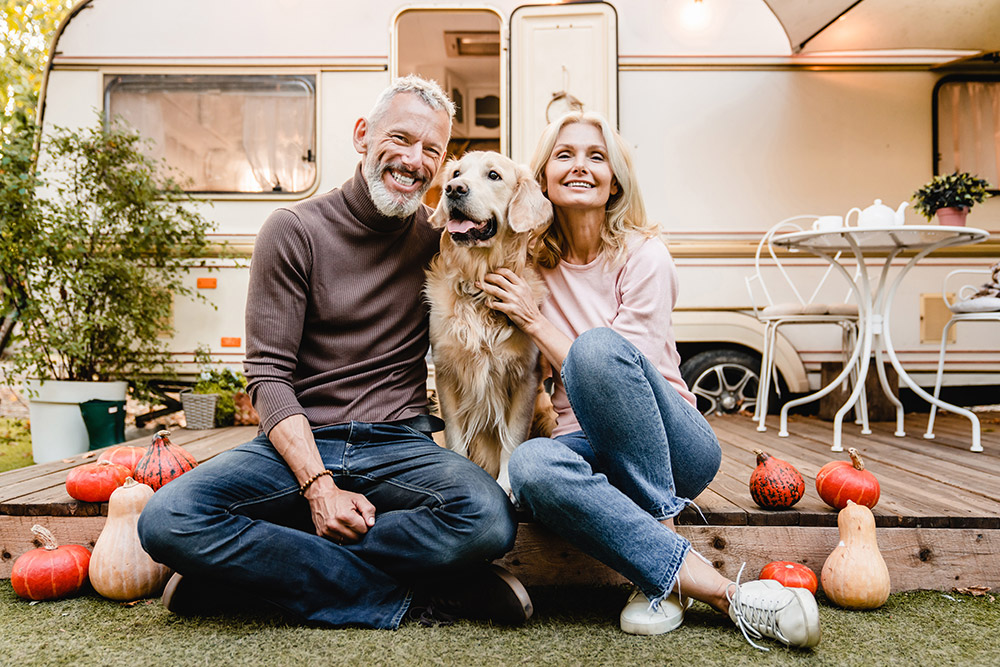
point(727, 388)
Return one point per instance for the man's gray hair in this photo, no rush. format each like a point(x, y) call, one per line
point(427, 90)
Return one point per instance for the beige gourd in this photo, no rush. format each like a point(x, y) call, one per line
point(854, 575)
point(119, 567)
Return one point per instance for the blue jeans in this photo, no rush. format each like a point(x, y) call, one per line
point(239, 519)
point(643, 452)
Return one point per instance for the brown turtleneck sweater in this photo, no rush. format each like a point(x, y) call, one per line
point(336, 324)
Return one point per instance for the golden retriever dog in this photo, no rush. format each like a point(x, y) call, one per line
point(486, 369)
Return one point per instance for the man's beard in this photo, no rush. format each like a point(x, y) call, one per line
point(387, 203)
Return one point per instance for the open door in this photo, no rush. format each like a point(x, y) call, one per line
point(560, 55)
point(459, 47)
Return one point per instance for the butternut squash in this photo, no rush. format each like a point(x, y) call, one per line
point(119, 567)
point(854, 575)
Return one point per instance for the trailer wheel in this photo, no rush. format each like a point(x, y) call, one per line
point(723, 381)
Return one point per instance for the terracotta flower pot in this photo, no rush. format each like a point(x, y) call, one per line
point(952, 216)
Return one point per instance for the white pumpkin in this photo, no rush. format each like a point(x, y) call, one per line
point(120, 569)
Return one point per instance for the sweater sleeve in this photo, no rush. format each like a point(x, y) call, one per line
point(647, 291)
point(275, 314)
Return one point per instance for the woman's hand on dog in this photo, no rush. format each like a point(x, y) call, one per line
point(512, 297)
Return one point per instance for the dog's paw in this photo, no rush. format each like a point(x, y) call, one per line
point(504, 481)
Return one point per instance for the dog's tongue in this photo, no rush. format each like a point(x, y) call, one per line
point(459, 226)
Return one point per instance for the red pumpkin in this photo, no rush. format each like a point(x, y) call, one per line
point(775, 484)
point(95, 482)
point(792, 575)
point(51, 571)
point(124, 455)
point(840, 481)
point(163, 462)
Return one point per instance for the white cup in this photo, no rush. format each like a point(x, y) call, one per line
point(828, 223)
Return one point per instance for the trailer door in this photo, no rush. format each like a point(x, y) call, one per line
point(560, 54)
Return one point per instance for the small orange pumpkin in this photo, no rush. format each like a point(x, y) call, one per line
point(51, 571)
point(95, 482)
point(792, 575)
point(840, 481)
point(125, 455)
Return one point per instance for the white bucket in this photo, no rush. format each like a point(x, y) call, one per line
point(57, 428)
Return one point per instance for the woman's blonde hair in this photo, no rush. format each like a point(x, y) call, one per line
point(626, 214)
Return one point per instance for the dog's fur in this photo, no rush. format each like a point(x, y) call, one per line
point(486, 369)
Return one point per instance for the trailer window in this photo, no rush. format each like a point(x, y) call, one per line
point(227, 134)
point(967, 132)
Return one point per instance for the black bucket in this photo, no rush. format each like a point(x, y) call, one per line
point(105, 422)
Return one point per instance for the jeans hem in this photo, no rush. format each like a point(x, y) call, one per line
point(664, 512)
point(671, 575)
point(397, 618)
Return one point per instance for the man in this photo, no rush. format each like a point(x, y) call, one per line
point(343, 508)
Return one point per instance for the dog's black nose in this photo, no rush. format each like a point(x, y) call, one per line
point(456, 190)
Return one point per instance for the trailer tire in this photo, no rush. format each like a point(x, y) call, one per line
point(724, 381)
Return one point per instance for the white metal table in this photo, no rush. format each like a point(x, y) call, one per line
point(870, 245)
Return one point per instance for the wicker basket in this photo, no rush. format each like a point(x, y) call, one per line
point(199, 409)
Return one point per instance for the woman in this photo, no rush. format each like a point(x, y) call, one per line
point(630, 449)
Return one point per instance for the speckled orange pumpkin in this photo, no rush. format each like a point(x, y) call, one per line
point(775, 484)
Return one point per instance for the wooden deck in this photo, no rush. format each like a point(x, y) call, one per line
point(938, 517)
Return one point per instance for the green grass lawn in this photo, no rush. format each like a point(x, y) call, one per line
point(572, 626)
point(15, 444)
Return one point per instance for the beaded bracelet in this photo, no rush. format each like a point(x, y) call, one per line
point(302, 489)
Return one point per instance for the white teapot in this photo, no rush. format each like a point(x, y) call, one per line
point(878, 215)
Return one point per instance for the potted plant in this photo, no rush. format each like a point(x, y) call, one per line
point(212, 400)
point(90, 270)
point(950, 196)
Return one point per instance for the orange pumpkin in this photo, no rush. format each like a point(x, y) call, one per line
point(792, 575)
point(95, 482)
point(840, 481)
point(124, 455)
point(163, 462)
point(51, 571)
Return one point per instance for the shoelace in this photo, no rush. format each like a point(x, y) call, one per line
point(430, 617)
point(752, 614)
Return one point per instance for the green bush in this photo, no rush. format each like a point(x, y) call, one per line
point(94, 257)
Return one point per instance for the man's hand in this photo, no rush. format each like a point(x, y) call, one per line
point(341, 516)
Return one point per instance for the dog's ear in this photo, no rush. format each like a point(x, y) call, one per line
point(439, 217)
point(529, 209)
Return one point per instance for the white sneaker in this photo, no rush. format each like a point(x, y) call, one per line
point(766, 608)
point(639, 618)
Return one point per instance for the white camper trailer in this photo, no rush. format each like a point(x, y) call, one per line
point(741, 113)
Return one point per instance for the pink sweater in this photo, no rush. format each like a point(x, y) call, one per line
point(635, 300)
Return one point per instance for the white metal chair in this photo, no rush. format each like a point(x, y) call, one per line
point(973, 303)
point(798, 310)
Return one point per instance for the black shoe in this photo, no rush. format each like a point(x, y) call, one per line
point(488, 593)
point(203, 596)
